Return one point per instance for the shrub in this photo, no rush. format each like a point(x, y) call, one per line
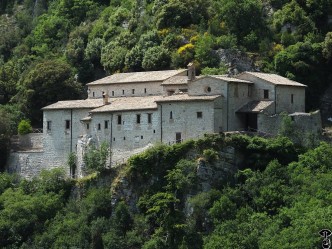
point(24, 127)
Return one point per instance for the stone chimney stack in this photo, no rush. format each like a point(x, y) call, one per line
point(105, 98)
point(191, 71)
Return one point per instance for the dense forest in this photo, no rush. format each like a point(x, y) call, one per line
point(278, 197)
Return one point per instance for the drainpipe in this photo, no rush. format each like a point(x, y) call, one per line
point(275, 99)
point(71, 130)
point(227, 99)
point(161, 123)
point(111, 138)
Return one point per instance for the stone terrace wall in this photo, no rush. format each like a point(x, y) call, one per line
point(304, 122)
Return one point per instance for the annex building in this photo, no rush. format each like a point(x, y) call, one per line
point(132, 111)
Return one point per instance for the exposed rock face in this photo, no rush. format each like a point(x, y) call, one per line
point(326, 107)
point(210, 175)
point(213, 174)
point(236, 58)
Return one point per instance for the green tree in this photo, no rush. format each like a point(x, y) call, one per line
point(24, 127)
point(156, 58)
point(96, 159)
point(40, 87)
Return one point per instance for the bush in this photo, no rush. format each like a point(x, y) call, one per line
point(24, 127)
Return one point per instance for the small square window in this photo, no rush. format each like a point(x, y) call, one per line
point(149, 118)
point(106, 124)
point(119, 119)
point(266, 94)
point(49, 125)
point(199, 115)
point(67, 124)
point(138, 118)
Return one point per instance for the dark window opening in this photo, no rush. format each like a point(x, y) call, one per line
point(122, 92)
point(93, 94)
point(171, 115)
point(266, 94)
point(141, 137)
point(184, 90)
point(112, 93)
point(49, 125)
point(87, 126)
point(119, 119)
point(249, 90)
point(199, 115)
point(124, 138)
point(67, 124)
point(170, 92)
point(144, 90)
point(113, 138)
point(138, 118)
point(154, 131)
point(208, 89)
point(292, 98)
point(149, 118)
point(99, 126)
point(133, 91)
point(106, 124)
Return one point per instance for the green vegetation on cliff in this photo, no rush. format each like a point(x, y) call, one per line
point(198, 194)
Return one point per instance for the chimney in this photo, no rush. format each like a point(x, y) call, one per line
point(105, 98)
point(191, 72)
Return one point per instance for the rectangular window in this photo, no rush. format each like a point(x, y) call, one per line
point(149, 118)
point(171, 115)
point(119, 119)
point(266, 94)
point(199, 115)
point(49, 125)
point(144, 90)
point(112, 93)
point(249, 90)
point(133, 91)
point(99, 127)
point(87, 126)
point(292, 98)
point(106, 124)
point(122, 92)
point(138, 118)
point(67, 124)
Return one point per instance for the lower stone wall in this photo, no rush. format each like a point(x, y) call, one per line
point(29, 164)
point(303, 122)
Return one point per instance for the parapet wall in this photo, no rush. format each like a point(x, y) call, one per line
point(303, 122)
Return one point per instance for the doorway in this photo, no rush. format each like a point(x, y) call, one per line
point(178, 137)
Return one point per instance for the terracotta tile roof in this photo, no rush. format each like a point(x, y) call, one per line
point(137, 77)
point(176, 80)
point(273, 79)
point(255, 106)
point(129, 104)
point(186, 97)
point(75, 104)
point(230, 79)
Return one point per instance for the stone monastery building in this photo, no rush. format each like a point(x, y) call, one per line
point(132, 111)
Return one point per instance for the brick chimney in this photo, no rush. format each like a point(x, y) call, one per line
point(191, 71)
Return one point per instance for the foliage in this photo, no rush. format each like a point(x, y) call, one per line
point(24, 127)
point(95, 159)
